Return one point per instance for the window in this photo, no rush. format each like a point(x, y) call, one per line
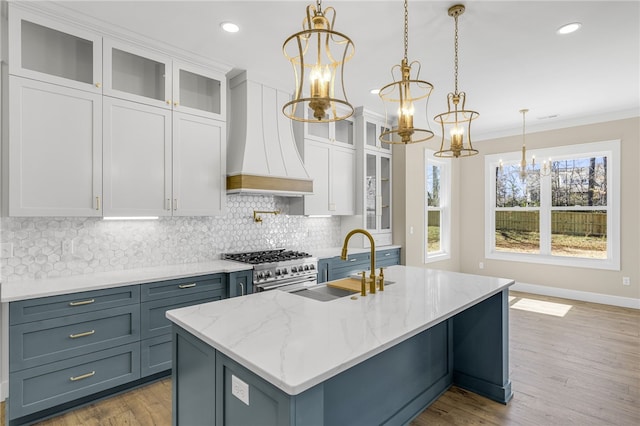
point(564, 211)
point(437, 211)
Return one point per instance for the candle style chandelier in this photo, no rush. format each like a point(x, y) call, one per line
point(399, 97)
point(319, 52)
point(545, 170)
point(457, 118)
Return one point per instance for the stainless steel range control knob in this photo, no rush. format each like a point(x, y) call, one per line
point(260, 275)
point(277, 272)
point(312, 267)
point(306, 267)
point(268, 274)
point(285, 271)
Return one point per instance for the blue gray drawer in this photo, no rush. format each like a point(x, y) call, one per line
point(45, 386)
point(40, 342)
point(153, 319)
point(69, 304)
point(183, 286)
point(388, 257)
point(155, 355)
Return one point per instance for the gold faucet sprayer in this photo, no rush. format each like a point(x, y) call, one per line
point(372, 277)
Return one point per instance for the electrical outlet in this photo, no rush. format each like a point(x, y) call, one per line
point(67, 247)
point(481, 265)
point(6, 250)
point(240, 389)
point(626, 281)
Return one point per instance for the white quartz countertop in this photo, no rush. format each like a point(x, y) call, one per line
point(337, 251)
point(296, 343)
point(12, 291)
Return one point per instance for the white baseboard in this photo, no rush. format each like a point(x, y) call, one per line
point(585, 296)
point(4, 390)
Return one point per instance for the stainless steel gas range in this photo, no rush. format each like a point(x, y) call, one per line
point(280, 269)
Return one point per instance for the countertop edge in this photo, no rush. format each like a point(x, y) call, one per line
point(16, 290)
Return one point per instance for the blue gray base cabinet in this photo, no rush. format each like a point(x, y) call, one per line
point(334, 268)
point(469, 350)
point(71, 349)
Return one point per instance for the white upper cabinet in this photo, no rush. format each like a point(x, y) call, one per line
point(145, 76)
point(199, 172)
point(47, 50)
point(199, 91)
point(370, 127)
point(55, 144)
point(373, 182)
point(341, 131)
point(332, 168)
point(148, 140)
point(137, 74)
point(137, 159)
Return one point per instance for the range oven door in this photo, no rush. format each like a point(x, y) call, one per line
point(288, 284)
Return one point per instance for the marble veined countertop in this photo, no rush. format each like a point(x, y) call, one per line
point(12, 291)
point(296, 343)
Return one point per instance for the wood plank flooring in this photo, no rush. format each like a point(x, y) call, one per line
point(580, 369)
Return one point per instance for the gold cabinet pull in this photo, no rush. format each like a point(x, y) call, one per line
point(98, 85)
point(83, 376)
point(97, 203)
point(82, 302)
point(86, 333)
point(187, 285)
point(175, 204)
point(352, 260)
point(168, 102)
point(176, 104)
point(241, 289)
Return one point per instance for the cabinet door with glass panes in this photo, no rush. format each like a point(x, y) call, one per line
point(337, 131)
point(137, 74)
point(377, 192)
point(46, 50)
point(198, 91)
point(372, 125)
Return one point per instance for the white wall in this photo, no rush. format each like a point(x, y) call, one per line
point(468, 203)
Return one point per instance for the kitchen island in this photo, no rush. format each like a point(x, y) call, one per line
point(276, 358)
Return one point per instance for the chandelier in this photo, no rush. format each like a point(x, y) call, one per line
point(457, 120)
point(318, 54)
point(545, 170)
point(399, 97)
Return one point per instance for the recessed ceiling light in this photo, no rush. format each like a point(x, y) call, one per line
point(230, 27)
point(569, 28)
point(374, 91)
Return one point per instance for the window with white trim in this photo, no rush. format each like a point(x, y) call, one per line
point(563, 210)
point(437, 208)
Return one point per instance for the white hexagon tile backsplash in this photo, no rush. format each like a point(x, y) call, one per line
point(46, 247)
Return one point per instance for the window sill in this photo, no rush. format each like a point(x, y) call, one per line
point(577, 262)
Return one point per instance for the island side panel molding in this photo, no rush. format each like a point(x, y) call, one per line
point(193, 381)
point(394, 386)
point(481, 348)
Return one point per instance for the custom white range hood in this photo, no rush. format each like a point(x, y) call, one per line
point(261, 153)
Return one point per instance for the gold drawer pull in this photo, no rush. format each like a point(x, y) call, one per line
point(187, 285)
point(84, 376)
point(352, 260)
point(388, 254)
point(86, 333)
point(82, 302)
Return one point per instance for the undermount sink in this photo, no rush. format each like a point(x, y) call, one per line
point(325, 293)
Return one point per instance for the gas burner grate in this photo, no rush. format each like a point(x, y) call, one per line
point(266, 256)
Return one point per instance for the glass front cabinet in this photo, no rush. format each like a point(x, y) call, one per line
point(373, 182)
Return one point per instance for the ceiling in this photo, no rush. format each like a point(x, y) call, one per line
point(510, 55)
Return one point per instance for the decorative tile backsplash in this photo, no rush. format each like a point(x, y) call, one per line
point(45, 247)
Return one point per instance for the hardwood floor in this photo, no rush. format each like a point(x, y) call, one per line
point(579, 369)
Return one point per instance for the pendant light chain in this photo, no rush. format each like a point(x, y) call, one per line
point(456, 55)
point(523, 126)
point(406, 30)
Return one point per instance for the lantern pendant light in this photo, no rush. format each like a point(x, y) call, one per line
point(318, 54)
point(457, 120)
point(399, 98)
